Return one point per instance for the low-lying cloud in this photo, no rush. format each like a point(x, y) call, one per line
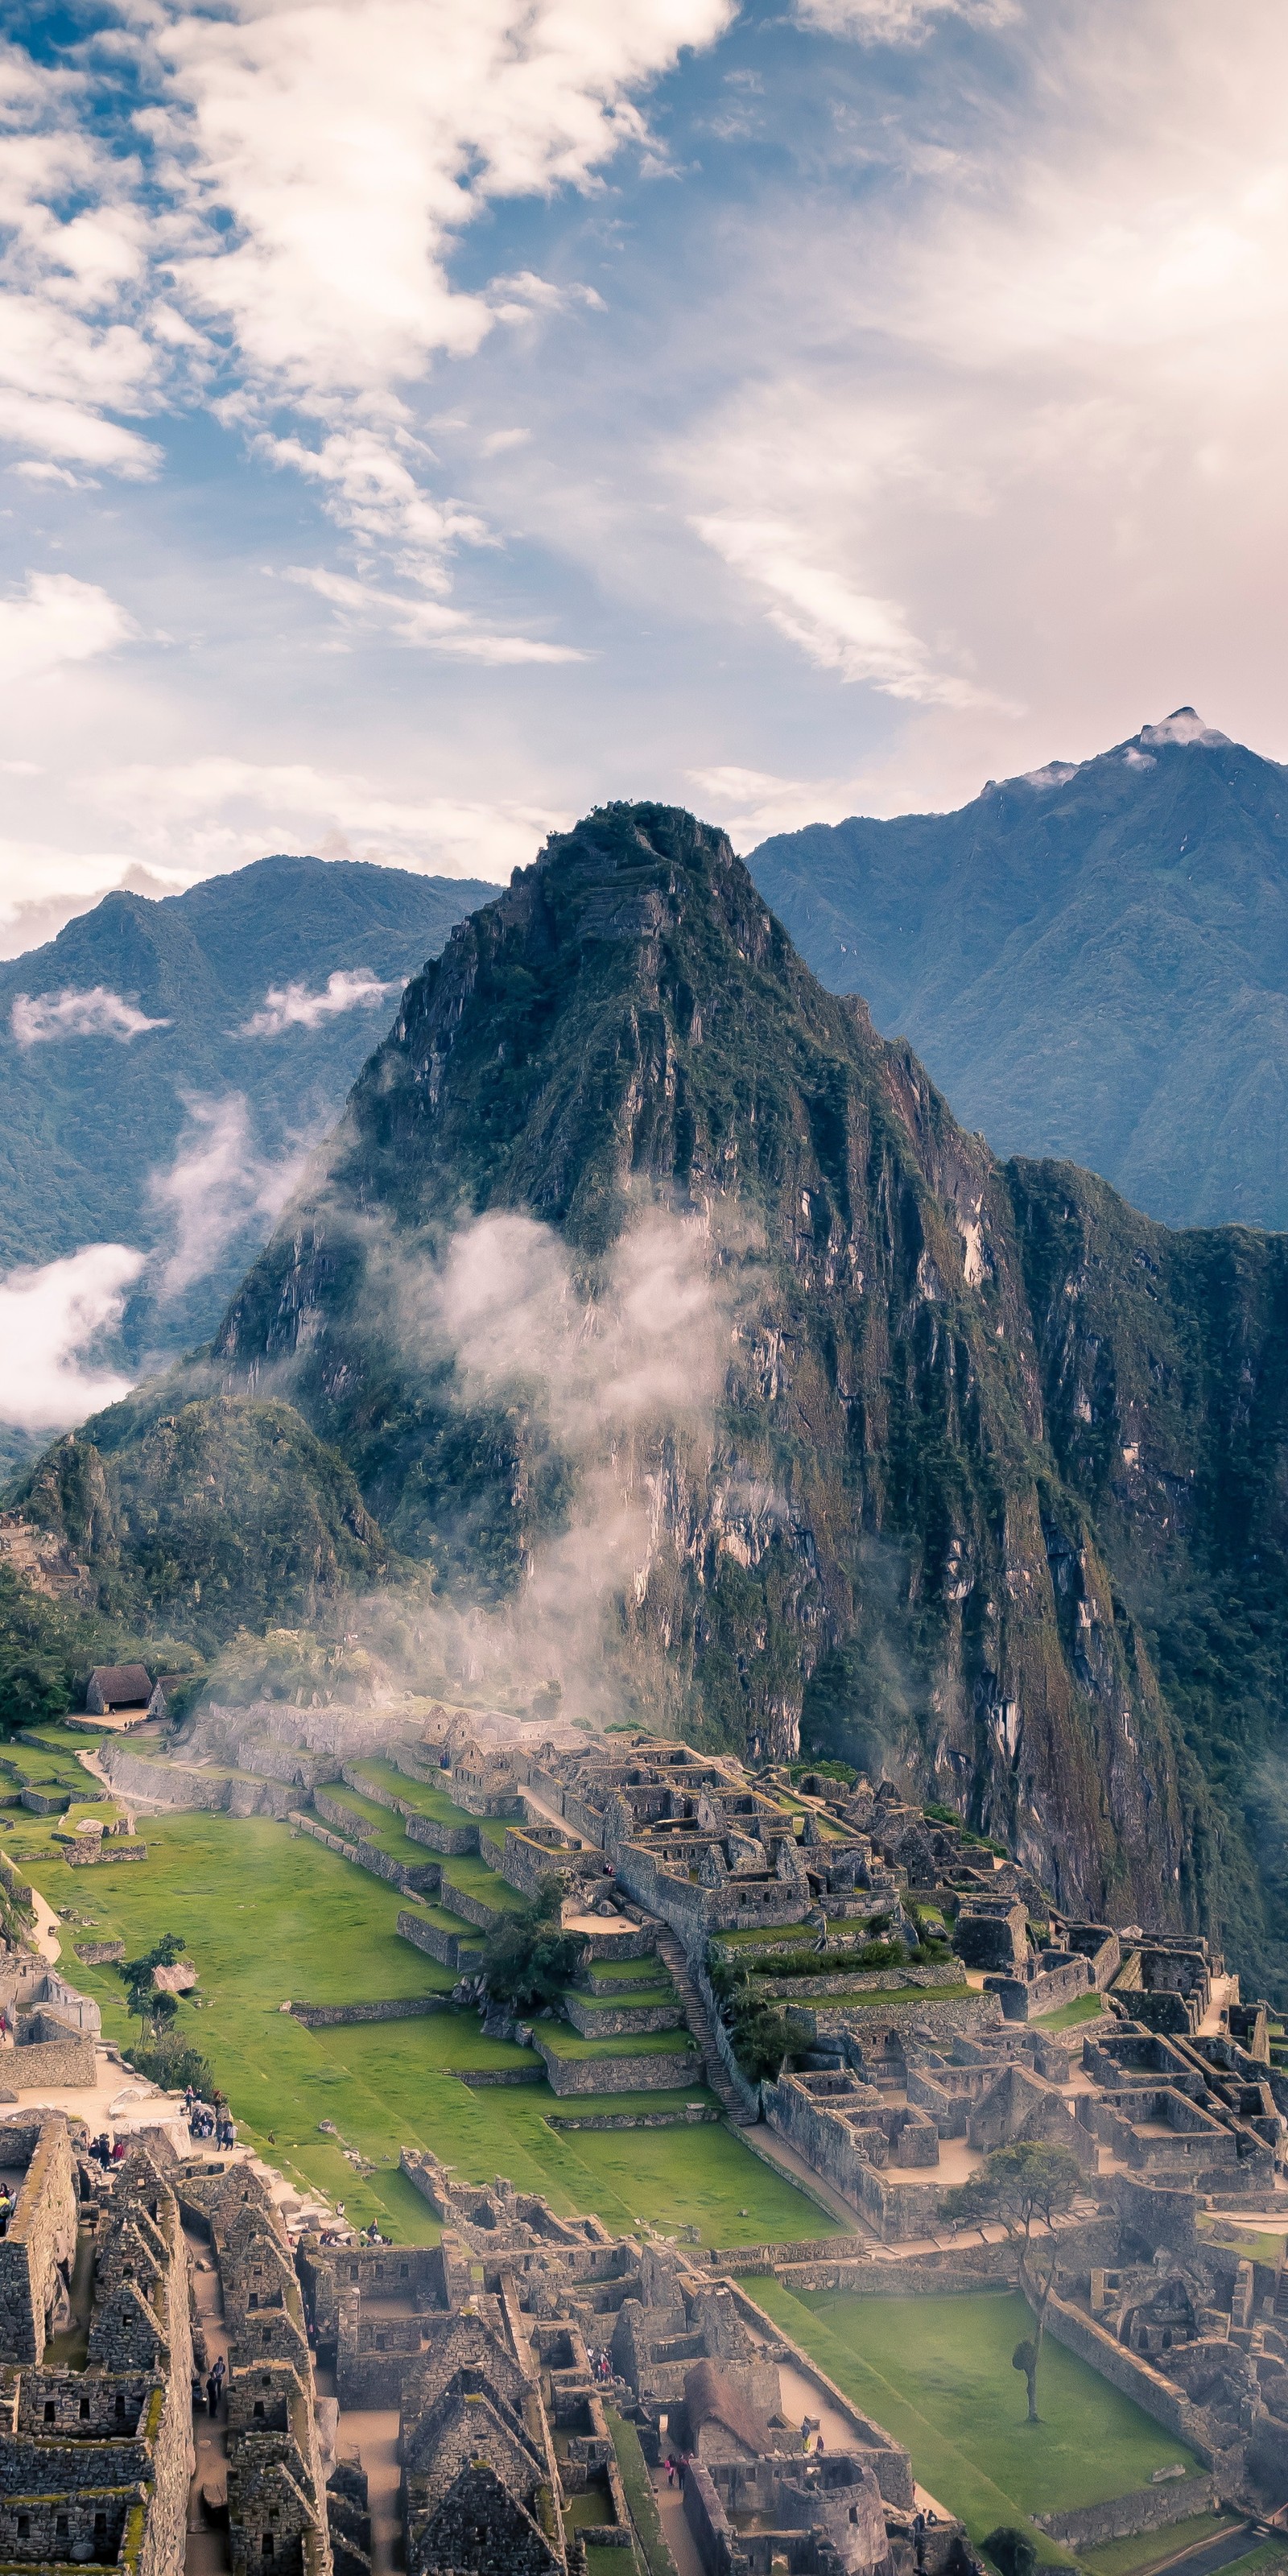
point(51, 1319)
point(217, 1184)
point(292, 1006)
point(37, 1018)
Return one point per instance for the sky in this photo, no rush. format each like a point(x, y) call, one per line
point(421, 420)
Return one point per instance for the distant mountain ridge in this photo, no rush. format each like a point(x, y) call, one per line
point(991, 1492)
point(90, 1118)
point(1091, 960)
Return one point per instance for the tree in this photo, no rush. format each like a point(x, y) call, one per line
point(1012, 2550)
point(152, 2010)
point(1027, 2185)
point(529, 1959)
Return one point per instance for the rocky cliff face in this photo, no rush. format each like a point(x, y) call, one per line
point(985, 1486)
point(873, 1533)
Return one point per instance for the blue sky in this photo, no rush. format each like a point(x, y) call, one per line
point(422, 421)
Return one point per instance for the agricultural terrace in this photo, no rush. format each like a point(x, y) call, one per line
point(271, 1916)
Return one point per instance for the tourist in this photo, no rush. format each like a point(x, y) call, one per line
point(212, 2394)
point(670, 2470)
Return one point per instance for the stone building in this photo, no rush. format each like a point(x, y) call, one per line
point(276, 2488)
point(95, 2360)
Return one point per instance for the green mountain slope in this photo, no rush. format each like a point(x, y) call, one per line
point(90, 1118)
point(1092, 961)
point(992, 1491)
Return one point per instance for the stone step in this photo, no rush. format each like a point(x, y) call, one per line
point(698, 2018)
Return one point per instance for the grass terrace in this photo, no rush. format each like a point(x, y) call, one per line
point(937, 2373)
point(563, 2042)
point(1068, 2016)
point(373, 1824)
point(270, 1915)
point(475, 1879)
point(615, 1976)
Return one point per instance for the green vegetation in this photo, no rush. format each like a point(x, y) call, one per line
point(273, 1916)
point(87, 1124)
point(527, 1960)
point(1067, 2016)
point(1028, 2185)
point(1145, 2550)
point(640, 2500)
point(644, 2043)
point(937, 2373)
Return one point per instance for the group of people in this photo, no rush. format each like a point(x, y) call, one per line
point(209, 2119)
point(601, 2364)
point(104, 2153)
point(214, 2386)
point(676, 2465)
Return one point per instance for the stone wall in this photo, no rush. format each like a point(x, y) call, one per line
point(1149, 2508)
point(99, 1954)
point(52, 2062)
point(691, 2116)
point(619, 2020)
point(438, 1943)
point(1131, 2374)
point(96, 1854)
point(402, 2008)
point(868, 2024)
point(454, 1841)
point(665, 2071)
point(182, 1785)
point(415, 1879)
point(41, 2235)
point(865, 1981)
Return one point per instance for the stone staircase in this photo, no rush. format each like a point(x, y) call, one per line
point(741, 2106)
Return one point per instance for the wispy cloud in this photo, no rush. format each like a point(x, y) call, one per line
point(218, 812)
point(51, 1320)
point(35, 1019)
point(57, 619)
point(217, 1185)
point(426, 621)
point(292, 1006)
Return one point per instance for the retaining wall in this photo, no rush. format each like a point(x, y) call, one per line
point(404, 2008)
point(693, 2115)
point(618, 2020)
point(1149, 2508)
point(660, 2071)
point(437, 1943)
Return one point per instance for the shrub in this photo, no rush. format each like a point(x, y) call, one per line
point(1012, 2550)
point(762, 2036)
point(172, 2067)
point(527, 1959)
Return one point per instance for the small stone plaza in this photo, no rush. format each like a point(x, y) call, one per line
point(203, 2371)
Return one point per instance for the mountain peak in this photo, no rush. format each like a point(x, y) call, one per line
point(1183, 725)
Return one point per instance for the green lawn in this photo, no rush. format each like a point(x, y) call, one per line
point(1067, 2017)
point(643, 2043)
point(613, 1973)
point(1146, 2549)
point(423, 1799)
point(936, 2372)
point(475, 1879)
point(374, 1824)
point(269, 1915)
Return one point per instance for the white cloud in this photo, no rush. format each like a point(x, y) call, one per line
point(216, 1186)
point(349, 146)
point(57, 619)
point(899, 22)
point(840, 627)
point(292, 1006)
point(35, 1019)
point(50, 1321)
point(219, 812)
point(426, 621)
point(749, 804)
point(72, 276)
